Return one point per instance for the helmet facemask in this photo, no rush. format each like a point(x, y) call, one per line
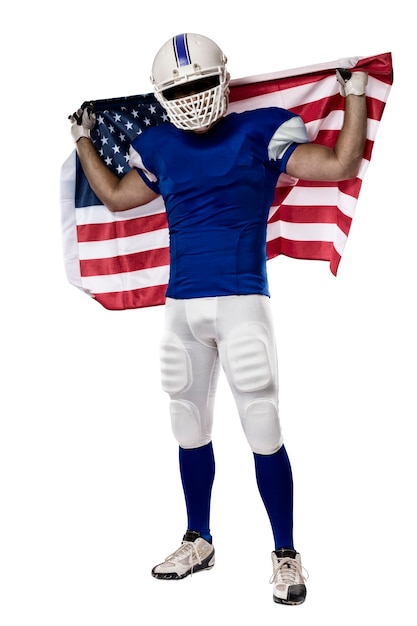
point(198, 110)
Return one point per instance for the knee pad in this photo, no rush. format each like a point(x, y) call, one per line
point(261, 425)
point(248, 354)
point(175, 365)
point(186, 424)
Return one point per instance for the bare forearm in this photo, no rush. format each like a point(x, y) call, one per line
point(102, 180)
point(350, 144)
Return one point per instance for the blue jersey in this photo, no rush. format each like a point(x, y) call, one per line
point(218, 188)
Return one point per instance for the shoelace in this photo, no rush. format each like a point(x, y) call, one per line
point(187, 547)
point(287, 569)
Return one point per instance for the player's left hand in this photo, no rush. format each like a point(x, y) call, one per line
point(82, 122)
point(351, 82)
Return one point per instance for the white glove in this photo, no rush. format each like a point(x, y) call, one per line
point(82, 122)
point(351, 82)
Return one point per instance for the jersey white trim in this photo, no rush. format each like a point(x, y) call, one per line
point(291, 131)
point(135, 160)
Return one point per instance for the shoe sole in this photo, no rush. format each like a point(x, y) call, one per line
point(208, 564)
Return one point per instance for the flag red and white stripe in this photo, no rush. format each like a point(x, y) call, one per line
point(122, 259)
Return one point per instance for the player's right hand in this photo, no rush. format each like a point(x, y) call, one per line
point(82, 122)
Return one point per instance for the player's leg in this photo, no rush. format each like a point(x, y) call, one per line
point(248, 355)
point(189, 366)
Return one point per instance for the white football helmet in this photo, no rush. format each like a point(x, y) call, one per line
point(191, 82)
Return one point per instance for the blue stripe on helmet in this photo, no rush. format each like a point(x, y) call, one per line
point(181, 50)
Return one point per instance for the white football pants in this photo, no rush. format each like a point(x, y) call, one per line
point(235, 332)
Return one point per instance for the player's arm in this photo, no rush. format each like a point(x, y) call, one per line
point(117, 194)
point(315, 162)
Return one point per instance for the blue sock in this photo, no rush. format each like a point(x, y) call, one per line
point(274, 478)
point(197, 476)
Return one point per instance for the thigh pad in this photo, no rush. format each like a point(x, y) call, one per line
point(249, 357)
point(176, 371)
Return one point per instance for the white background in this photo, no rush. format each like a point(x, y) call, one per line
point(90, 495)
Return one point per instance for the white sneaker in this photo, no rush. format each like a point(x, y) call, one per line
point(288, 577)
point(194, 555)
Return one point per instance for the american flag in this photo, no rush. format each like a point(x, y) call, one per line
point(122, 259)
